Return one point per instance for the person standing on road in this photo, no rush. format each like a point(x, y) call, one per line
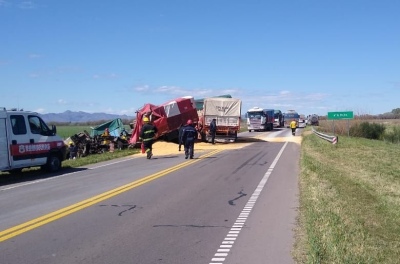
point(148, 135)
point(188, 135)
point(213, 130)
point(293, 126)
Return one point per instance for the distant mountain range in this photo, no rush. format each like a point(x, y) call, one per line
point(81, 117)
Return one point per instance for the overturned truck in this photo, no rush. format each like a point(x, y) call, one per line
point(168, 118)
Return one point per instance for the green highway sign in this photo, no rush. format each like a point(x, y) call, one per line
point(340, 115)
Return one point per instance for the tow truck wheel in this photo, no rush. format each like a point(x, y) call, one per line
point(53, 164)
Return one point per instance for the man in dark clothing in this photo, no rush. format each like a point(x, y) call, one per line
point(72, 151)
point(187, 137)
point(213, 130)
point(147, 135)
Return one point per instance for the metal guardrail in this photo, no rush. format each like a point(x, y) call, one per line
point(332, 139)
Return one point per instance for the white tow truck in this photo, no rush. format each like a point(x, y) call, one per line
point(26, 141)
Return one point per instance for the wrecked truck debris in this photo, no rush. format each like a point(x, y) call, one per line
point(167, 117)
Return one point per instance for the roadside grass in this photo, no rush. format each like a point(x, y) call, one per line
point(349, 201)
point(95, 158)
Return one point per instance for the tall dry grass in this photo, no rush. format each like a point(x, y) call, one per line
point(390, 134)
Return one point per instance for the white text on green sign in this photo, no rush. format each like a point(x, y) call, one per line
point(340, 115)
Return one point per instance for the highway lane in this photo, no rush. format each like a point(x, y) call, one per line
point(180, 216)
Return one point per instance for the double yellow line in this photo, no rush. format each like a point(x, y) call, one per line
point(42, 220)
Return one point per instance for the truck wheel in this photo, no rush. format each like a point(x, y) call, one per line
point(53, 164)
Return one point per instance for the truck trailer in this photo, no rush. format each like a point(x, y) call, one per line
point(227, 112)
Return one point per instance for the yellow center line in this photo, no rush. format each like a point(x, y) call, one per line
point(45, 219)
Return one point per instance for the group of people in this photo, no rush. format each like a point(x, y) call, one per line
point(187, 137)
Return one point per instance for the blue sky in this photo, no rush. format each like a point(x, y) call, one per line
point(314, 56)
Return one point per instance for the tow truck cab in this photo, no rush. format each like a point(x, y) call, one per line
point(26, 141)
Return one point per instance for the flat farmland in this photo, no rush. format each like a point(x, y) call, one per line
point(68, 131)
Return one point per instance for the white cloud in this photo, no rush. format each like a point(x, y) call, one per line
point(27, 5)
point(40, 110)
point(142, 88)
point(129, 112)
point(34, 56)
point(21, 4)
point(34, 75)
point(283, 100)
point(108, 111)
point(4, 3)
point(315, 96)
point(178, 91)
point(61, 102)
point(167, 89)
point(396, 85)
point(105, 76)
point(284, 92)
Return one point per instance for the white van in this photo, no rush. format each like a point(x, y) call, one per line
point(26, 141)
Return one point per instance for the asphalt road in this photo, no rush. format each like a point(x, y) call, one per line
point(225, 206)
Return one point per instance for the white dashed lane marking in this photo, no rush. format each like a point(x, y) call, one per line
point(234, 232)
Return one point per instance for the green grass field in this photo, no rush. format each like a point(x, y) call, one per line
point(68, 131)
point(349, 201)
